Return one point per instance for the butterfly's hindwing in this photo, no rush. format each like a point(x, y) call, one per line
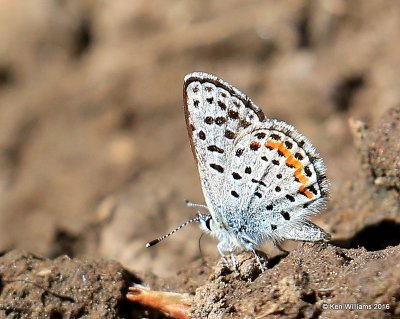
point(282, 180)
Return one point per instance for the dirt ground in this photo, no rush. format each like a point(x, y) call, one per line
point(95, 160)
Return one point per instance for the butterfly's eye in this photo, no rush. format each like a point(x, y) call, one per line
point(208, 223)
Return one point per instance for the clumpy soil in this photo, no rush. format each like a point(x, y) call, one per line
point(303, 283)
point(61, 288)
point(95, 159)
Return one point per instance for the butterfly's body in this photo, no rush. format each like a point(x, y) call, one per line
point(261, 179)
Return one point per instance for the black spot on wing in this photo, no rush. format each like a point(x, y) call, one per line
point(230, 135)
point(239, 152)
point(234, 194)
point(244, 123)
point(254, 145)
point(217, 167)
point(220, 120)
point(308, 171)
point(291, 165)
point(275, 137)
point(313, 189)
point(285, 215)
point(215, 148)
point(298, 156)
point(233, 114)
point(236, 175)
point(209, 120)
point(222, 105)
point(290, 198)
point(202, 135)
point(288, 145)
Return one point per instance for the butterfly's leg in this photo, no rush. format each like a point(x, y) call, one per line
point(221, 250)
point(234, 263)
point(224, 247)
point(250, 247)
point(262, 268)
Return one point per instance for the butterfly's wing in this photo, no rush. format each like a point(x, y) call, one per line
point(261, 178)
point(276, 182)
point(216, 113)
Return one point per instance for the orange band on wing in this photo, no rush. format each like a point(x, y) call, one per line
point(292, 162)
point(305, 191)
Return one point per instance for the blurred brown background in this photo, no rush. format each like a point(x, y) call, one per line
point(94, 154)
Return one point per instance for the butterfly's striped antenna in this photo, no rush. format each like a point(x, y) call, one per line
point(156, 241)
point(191, 204)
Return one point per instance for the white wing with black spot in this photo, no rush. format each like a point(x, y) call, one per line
point(276, 182)
point(261, 178)
point(216, 113)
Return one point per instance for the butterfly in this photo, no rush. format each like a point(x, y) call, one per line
point(262, 180)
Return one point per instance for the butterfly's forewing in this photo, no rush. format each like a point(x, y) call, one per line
point(276, 180)
point(216, 113)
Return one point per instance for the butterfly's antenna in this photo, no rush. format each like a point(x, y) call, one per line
point(156, 241)
point(191, 204)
